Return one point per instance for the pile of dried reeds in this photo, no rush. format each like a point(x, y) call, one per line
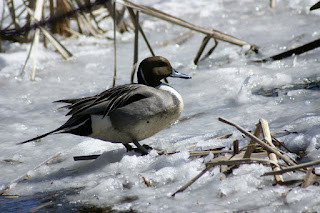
point(88, 14)
point(264, 150)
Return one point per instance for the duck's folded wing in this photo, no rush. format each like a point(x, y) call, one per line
point(105, 102)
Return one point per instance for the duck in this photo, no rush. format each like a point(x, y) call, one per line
point(127, 113)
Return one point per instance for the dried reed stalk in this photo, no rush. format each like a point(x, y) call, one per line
point(136, 45)
point(26, 176)
point(12, 11)
point(36, 209)
point(251, 147)
point(272, 3)
point(85, 21)
point(203, 45)
point(260, 142)
point(114, 45)
point(117, 17)
point(55, 42)
point(293, 168)
point(189, 183)
point(211, 50)
point(267, 138)
point(308, 177)
point(183, 36)
point(295, 51)
point(61, 25)
point(172, 19)
point(216, 162)
point(37, 17)
point(133, 18)
point(222, 160)
point(235, 147)
point(315, 6)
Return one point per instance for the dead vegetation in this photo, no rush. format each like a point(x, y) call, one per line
point(263, 148)
point(46, 18)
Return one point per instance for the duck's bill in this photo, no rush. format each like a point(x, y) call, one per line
point(176, 74)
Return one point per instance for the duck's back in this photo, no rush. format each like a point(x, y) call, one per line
point(142, 118)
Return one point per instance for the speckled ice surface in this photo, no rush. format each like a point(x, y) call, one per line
point(223, 85)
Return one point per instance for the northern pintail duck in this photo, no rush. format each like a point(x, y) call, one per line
point(128, 113)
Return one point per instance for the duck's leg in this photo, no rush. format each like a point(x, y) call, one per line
point(142, 149)
point(128, 147)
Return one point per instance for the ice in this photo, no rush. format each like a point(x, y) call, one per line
point(223, 85)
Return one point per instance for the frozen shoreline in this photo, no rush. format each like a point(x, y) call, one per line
point(223, 85)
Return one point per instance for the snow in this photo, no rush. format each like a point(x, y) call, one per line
point(223, 85)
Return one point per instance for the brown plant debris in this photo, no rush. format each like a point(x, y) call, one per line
point(263, 151)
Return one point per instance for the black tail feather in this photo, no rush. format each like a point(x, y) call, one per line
point(40, 136)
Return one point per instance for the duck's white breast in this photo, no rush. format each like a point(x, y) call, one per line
point(174, 93)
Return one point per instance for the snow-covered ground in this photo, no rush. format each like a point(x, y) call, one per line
point(223, 85)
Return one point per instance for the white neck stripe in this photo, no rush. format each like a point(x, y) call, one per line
point(142, 75)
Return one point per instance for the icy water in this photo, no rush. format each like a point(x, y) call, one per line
point(223, 85)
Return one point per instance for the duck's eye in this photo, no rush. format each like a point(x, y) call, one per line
point(162, 64)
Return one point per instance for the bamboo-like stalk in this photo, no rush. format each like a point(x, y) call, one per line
point(308, 177)
point(235, 147)
point(22, 72)
point(293, 168)
point(180, 39)
point(45, 42)
point(51, 9)
point(87, 22)
point(37, 17)
point(260, 142)
point(272, 3)
point(228, 162)
point(132, 15)
point(136, 46)
point(251, 147)
point(203, 45)
point(25, 176)
point(295, 51)
point(222, 160)
point(55, 42)
point(267, 138)
point(315, 6)
point(189, 183)
point(76, 17)
point(36, 209)
point(2, 17)
point(167, 17)
point(114, 45)
point(211, 50)
point(62, 8)
point(116, 16)
point(12, 11)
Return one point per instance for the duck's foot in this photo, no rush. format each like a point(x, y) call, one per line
point(140, 149)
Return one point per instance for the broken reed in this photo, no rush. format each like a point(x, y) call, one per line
point(257, 151)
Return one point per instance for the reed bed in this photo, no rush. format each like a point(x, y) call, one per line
point(47, 18)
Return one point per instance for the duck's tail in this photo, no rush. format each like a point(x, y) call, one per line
point(40, 136)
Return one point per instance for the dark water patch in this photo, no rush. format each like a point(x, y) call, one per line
point(54, 201)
